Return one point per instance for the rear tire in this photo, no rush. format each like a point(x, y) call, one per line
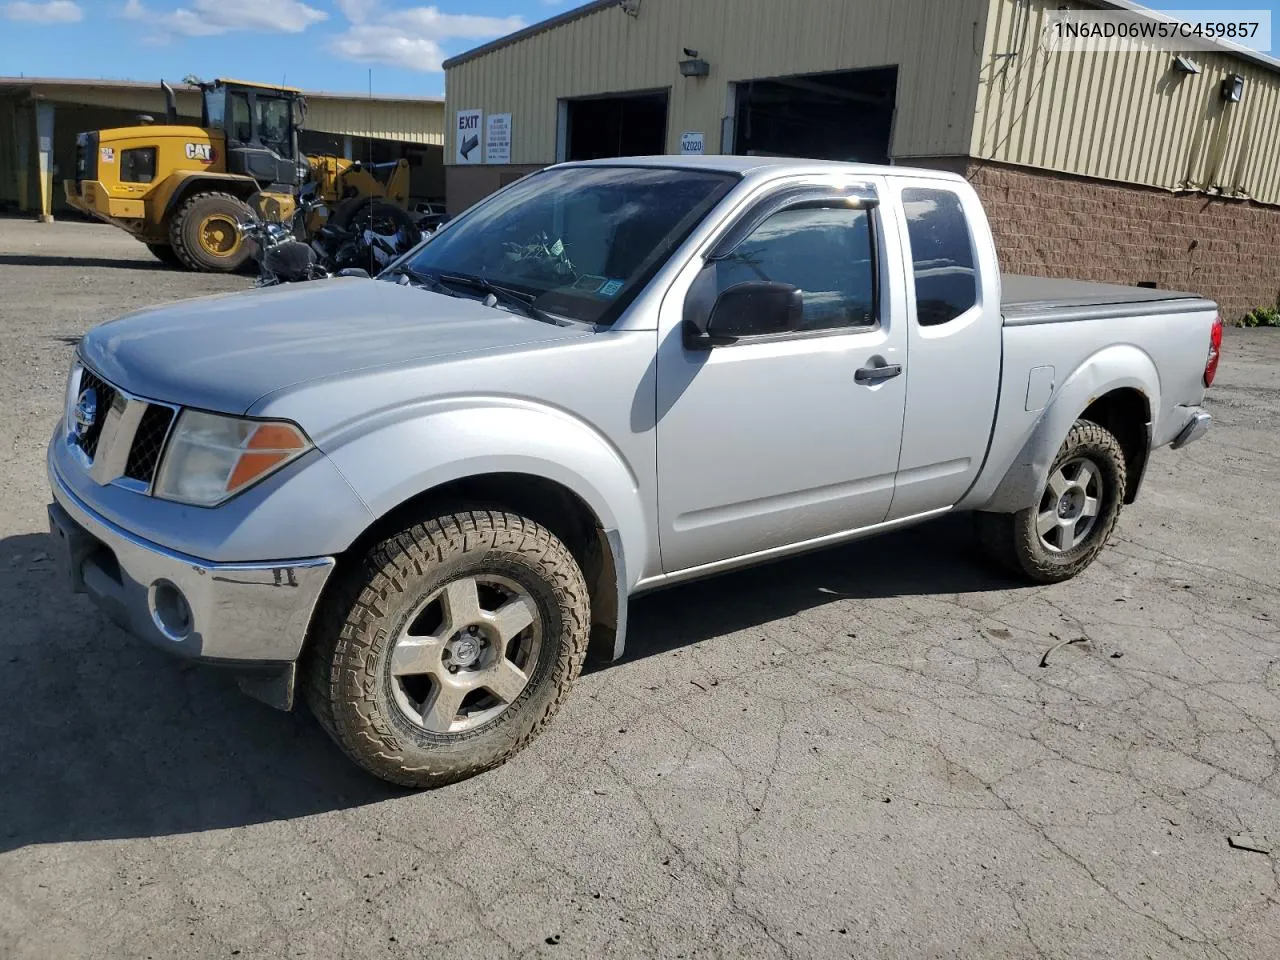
point(204, 233)
point(166, 255)
point(1073, 518)
point(450, 648)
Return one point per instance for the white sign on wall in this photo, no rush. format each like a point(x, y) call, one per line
point(497, 138)
point(691, 143)
point(466, 137)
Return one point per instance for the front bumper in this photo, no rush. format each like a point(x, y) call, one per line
point(251, 616)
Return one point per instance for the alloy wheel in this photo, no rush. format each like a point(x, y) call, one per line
point(466, 654)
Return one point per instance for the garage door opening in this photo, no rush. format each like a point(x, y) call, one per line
point(631, 125)
point(826, 116)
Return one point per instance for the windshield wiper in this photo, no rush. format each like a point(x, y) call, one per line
point(421, 279)
point(524, 302)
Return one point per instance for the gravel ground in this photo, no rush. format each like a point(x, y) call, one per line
point(850, 754)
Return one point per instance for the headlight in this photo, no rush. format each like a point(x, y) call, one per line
point(73, 397)
point(210, 458)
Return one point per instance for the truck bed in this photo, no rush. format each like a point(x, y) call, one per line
point(1030, 300)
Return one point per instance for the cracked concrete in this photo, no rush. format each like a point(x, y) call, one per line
point(849, 754)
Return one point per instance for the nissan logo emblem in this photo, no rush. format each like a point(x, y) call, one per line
point(85, 413)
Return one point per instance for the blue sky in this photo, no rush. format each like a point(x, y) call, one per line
point(316, 44)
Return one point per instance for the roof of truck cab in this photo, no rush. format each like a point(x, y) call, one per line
point(744, 166)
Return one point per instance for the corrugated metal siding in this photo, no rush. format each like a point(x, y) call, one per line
point(935, 44)
point(1127, 117)
point(408, 121)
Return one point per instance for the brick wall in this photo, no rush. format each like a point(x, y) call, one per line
point(1057, 225)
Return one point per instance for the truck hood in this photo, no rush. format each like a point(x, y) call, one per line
point(224, 353)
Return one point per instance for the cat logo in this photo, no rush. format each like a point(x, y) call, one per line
point(200, 151)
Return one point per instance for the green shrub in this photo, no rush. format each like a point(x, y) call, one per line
point(1262, 317)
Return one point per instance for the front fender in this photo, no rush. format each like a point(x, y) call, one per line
point(1112, 368)
point(179, 185)
point(406, 453)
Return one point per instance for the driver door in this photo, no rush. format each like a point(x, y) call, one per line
point(260, 138)
point(777, 440)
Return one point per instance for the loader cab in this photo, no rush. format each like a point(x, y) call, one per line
point(261, 125)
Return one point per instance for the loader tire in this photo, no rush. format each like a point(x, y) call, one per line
point(380, 215)
point(449, 648)
point(166, 255)
point(205, 235)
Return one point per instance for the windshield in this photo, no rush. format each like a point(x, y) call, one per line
point(580, 241)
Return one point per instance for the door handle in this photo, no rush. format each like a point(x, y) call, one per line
point(873, 375)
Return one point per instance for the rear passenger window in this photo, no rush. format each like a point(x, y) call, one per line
point(826, 252)
point(941, 255)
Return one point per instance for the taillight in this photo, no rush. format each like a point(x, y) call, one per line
point(1215, 352)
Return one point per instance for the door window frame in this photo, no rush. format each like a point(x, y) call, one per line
point(788, 197)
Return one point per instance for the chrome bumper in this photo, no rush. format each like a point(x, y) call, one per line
point(1196, 427)
point(252, 616)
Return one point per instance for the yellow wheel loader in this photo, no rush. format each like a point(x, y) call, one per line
point(182, 190)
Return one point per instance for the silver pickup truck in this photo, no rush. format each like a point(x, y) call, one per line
point(421, 498)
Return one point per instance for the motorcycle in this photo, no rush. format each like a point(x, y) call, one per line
point(360, 243)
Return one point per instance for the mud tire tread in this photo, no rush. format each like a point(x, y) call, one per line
point(341, 673)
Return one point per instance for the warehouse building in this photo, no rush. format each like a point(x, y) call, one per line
point(39, 120)
point(1139, 167)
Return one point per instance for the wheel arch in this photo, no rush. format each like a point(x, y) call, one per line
point(1119, 389)
point(1125, 413)
point(597, 548)
point(188, 183)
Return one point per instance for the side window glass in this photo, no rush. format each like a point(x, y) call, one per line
point(824, 251)
point(941, 255)
point(241, 128)
point(273, 123)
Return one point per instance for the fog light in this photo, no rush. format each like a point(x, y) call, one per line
point(170, 610)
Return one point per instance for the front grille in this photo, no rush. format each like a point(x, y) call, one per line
point(124, 436)
point(148, 443)
point(104, 397)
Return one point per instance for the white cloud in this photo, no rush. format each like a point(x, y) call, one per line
point(203, 18)
point(357, 11)
point(412, 38)
point(429, 21)
point(43, 11)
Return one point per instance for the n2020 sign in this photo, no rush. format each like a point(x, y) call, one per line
point(466, 137)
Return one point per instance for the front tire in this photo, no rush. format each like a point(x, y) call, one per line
point(1073, 519)
point(450, 649)
point(205, 233)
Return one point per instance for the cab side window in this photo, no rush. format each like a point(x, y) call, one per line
point(241, 126)
point(941, 255)
point(824, 250)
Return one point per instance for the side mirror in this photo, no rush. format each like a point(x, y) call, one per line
point(353, 272)
point(749, 309)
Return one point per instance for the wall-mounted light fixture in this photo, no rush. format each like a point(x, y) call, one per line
point(1185, 65)
point(1233, 88)
point(694, 66)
